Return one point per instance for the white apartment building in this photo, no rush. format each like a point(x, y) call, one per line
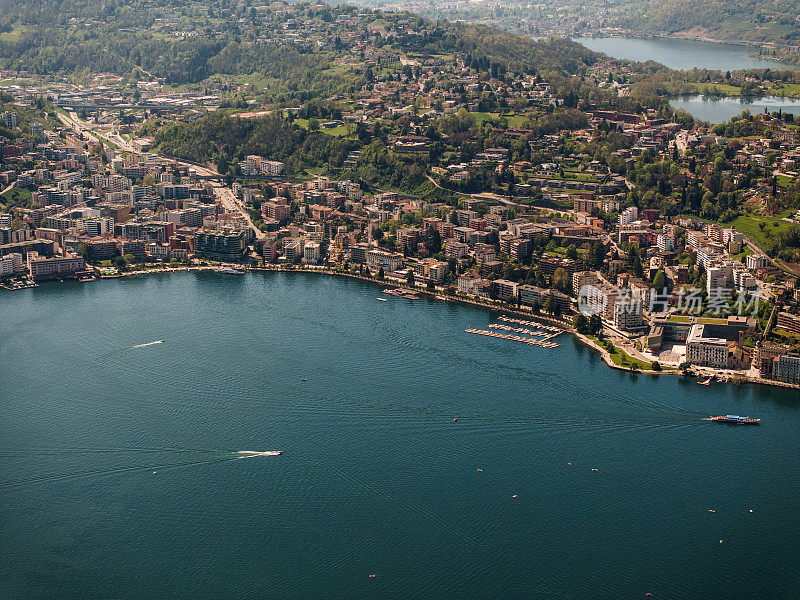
point(311, 253)
point(629, 215)
point(11, 264)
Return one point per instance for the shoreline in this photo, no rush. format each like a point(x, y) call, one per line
point(438, 295)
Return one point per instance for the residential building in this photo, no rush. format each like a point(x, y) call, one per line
point(756, 261)
point(666, 242)
point(430, 269)
point(10, 264)
point(582, 278)
point(224, 245)
point(311, 253)
point(786, 368)
point(629, 215)
point(788, 322)
point(8, 120)
point(504, 289)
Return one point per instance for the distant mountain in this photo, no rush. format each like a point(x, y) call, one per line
point(296, 50)
point(752, 21)
point(748, 20)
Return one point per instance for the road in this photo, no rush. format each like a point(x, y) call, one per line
point(483, 195)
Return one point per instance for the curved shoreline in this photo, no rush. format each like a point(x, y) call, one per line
point(497, 307)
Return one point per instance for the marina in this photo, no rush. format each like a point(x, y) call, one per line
point(515, 338)
point(549, 328)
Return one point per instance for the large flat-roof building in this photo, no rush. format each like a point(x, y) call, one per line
point(389, 261)
point(53, 267)
point(706, 351)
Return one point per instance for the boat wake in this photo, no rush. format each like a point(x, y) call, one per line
point(254, 453)
point(203, 457)
point(149, 344)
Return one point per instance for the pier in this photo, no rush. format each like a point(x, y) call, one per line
point(514, 338)
point(550, 328)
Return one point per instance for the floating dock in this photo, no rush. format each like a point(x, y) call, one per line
point(514, 338)
point(532, 324)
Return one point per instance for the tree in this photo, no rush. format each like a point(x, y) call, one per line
point(380, 273)
point(655, 365)
point(572, 252)
point(595, 324)
point(561, 280)
point(635, 261)
point(550, 305)
point(410, 277)
point(597, 256)
point(660, 281)
point(581, 324)
point(434, 243)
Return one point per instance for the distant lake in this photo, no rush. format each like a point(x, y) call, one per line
point(718, 110)
point(682, 54)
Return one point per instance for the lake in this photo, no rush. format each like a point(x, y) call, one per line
point(120, 478)
point(718, 110)
point(682, 54)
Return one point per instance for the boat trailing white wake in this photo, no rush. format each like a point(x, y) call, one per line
point(254, 453)
point(149, 344)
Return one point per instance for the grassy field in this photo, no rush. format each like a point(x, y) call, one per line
point(743, 254)
point(784, 181)
point(720, 88)
point(621, 358)
point(14, 197)
point(750, 226)
point(340, 131)
point(15, 34)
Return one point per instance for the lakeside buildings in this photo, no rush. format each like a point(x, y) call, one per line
point(552, 220)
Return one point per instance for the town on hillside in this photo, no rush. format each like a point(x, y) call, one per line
point(669, 244)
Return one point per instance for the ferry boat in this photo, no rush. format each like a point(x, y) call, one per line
point(230, 271)
point(735, 420)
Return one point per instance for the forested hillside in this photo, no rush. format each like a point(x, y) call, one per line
point(186, 41)
point(753, 20)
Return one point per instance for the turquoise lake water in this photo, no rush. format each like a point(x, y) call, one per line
point(376, 477)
